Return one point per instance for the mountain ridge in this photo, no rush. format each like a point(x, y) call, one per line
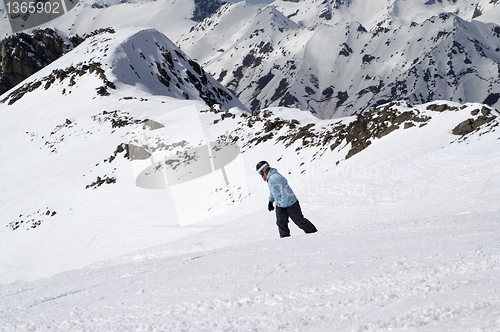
point(357, 69)
point(164, 69)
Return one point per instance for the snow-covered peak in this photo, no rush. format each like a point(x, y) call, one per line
point(278, 18)
point(229, 26)
point(220, 31)
point(341, 69)
point(377, 13)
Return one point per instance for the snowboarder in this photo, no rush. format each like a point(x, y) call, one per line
point(287, 204)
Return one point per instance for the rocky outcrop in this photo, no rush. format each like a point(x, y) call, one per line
point(349, 136)
point(375, 124)
point(58, 75)
point(479, 118)
point(32, 220)
point(22, 54)
point(352, 134)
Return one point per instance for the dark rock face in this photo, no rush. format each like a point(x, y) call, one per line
point(377, 123)
point(350, 136)
point(355, 135)
point(479, 118)
point(205, 8)
point(22, 54)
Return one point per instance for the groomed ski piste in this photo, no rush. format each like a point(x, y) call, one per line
point(408, 226)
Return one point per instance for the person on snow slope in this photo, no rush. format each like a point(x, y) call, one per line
point(287, 204)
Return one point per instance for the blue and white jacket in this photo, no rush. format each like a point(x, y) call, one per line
point(280, 191)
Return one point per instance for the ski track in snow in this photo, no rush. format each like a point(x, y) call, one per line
point(435, 274)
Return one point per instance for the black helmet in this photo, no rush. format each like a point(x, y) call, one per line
point(262, 167)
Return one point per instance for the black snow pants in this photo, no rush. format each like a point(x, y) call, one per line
point(295, 213)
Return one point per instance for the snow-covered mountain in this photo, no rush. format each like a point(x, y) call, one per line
point(337, 67)
point(76, 131)
point(140, 58)
point(332, 58)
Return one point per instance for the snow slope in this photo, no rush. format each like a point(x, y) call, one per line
point(408, 240)
point(75, 117)
point(431, 274)
point(404, 197)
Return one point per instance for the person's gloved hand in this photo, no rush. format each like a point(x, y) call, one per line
point(270, 206)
